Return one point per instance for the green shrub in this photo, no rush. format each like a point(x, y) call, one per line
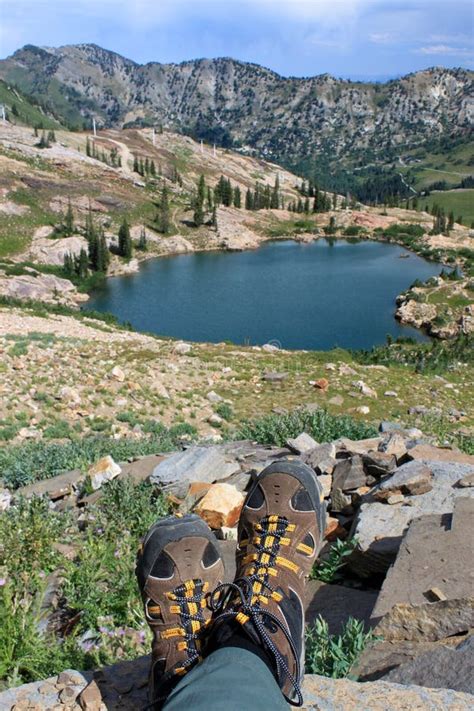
point(28, 531)
point(324, 427)
point(329, 569)
point(58, 430)
point(224, 410)
point(334, 655)
point(98, 586)
point(26, 654)
point(22, 464)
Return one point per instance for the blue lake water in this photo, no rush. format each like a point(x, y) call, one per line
point(312, 296)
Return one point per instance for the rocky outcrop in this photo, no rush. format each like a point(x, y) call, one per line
point(41, 287)
point(52, 251)
point(123, 687)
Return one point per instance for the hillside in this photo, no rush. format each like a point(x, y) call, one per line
point(308, 123)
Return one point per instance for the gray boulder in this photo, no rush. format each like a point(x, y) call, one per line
point(442, 667)
point(379, 528)
point(302, 444)
point(206, 464)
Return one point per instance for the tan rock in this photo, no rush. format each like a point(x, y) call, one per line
point(102, 471)
point(334, 530)
point(322, 384)
point(118, 374)
point(221, 505)
point(439, 454)
point(395, 445)
point(90, 699)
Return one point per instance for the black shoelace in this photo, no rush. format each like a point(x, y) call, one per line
point(241, 599)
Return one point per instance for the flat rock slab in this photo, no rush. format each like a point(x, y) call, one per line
point(443, 667)
point(56, 487)
point(323, 694)
point(427, 452)
point(141, 469)
point(335, 603)
point(380, 528)
point(207, 464)
point(436, 552)
point(123, 687)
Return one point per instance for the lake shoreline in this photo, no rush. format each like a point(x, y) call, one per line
point(136, 316)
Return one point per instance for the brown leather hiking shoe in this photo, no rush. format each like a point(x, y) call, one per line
point(178, 565)
point(281, 529)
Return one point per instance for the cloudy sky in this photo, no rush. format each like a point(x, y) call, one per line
point(351, 38)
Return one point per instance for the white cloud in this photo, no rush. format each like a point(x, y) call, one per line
point(446, 50)
point(382, 37)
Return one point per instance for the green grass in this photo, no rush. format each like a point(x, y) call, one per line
point(324, 427)
point(97, 588)
point(22, 464)
point(461, 202)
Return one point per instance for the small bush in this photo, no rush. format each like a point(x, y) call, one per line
point(277, 429)
point(22, 464)
point(334, 655)
point(329, 569)
point(224, 410)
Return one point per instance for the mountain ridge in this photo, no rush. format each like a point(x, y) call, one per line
point(305, 123)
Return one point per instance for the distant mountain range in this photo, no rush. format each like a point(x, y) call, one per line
point(320, 125)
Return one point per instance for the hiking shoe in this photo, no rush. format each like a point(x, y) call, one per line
point(178, 565)
point(280, 533)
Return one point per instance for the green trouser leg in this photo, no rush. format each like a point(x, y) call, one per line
point(229, 679)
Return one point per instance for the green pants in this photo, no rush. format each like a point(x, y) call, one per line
point(229, 679)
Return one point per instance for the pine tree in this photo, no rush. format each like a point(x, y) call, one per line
point(43, 143)
point(136, 167)
point(68, 265)
point(51, 137)
point(103, 254)
point(248, 200)
point(210, 202)
point(201, 189)
point(334, 201)
point(450, 220)
point(198, 212)
point(153, 169)
point(142, 242)
point(163, 216)
point(124, 240)
point(142, 167)
point(306, 205)
point(147, 166)
point(82, 265)
point(93, 250)
point(69, 220)
point(275, 198)
point(237, 197)
point(214, 217)
point(459, 220)
point(88, 147)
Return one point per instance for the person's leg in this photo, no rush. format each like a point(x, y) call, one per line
point(229, 679)
point(281, 530)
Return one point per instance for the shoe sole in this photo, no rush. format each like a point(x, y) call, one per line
point(307, 478)
point(170, 529)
